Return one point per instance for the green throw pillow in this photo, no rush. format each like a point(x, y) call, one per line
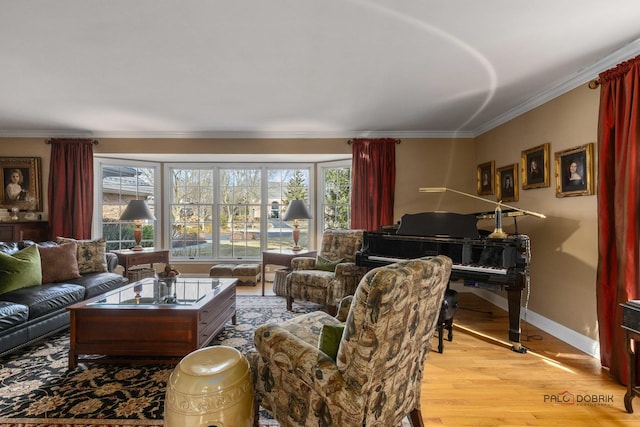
point(327, 265)
point(20, 270)
point(329, 340)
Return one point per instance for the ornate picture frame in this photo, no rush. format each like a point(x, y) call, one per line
point(507, 183)
point(485, 175)
point(21, 182)
point(535, 167)
point(574, 171)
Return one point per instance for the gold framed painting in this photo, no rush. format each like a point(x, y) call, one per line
point(574, 171)
point(535, 167)
point(507, 183)
point(486, 174)
point(21, 183)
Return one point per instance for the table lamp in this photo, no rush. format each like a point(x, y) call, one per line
point(295, 211)
point(137, 211)
point(497, 232)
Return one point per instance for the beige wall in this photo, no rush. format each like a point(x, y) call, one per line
point(564, 245)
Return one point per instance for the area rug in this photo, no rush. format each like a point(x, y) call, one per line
point(37, 387)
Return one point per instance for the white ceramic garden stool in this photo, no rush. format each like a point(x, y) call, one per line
point(210, 387)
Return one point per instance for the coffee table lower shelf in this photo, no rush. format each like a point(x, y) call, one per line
point(147, 333)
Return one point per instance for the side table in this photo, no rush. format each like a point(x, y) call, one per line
point(631, 325)
point(128, 258)
point(282, 257)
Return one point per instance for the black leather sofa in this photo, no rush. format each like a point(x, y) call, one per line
point(35, 312)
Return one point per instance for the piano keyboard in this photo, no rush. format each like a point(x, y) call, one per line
point(459, 267)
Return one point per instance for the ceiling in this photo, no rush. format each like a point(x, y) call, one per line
point(297, 68)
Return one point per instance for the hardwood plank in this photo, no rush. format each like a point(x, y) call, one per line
point(479, 381)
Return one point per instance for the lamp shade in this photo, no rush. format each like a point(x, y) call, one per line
point(296, 210)
point(137, 210)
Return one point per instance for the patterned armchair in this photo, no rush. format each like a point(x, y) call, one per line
point(376, 377)
point(308, 283)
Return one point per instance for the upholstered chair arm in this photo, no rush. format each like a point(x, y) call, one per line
point(345, 281)
point(349, 269)
point(303, 263)
point(293, 360)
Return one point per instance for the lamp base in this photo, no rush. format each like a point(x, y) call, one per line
point(498, 234)
point(137, 248)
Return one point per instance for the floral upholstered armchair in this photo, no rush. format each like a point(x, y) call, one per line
point(376, 376)
point(332, 275)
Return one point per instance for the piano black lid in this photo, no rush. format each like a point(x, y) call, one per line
point(439, 224)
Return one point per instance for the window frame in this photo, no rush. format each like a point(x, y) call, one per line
point(98, 164)
point(321, 168)
point(216, 167)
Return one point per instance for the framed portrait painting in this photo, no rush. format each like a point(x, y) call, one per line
point(507, 183)
point(535, 167)
point(20, 183)
point(486, 173)
point(574, 171)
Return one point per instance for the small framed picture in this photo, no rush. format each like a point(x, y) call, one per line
point(486, 173)
point(535, 167)
point(20, 186)
point(507, 183)
point(574, 171)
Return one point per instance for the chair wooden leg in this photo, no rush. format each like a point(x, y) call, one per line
point(289, 303)
point(416, 418)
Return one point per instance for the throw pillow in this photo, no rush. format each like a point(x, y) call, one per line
point(91, 254)
point(327, 265)
point(59, 263)
point(20, 270)
point(329, 340)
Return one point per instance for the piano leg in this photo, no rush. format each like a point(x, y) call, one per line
point(514, 297)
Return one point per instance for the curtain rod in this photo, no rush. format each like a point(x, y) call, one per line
point(593, 84)
point(350, 141)
point(48, 141)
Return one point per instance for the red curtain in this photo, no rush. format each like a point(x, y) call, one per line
point(373, 183)
point(71, 188)
point(618, 214)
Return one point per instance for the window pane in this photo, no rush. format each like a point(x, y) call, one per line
point(191, 218)
point(239, 213)
point(336, 206)
point(119, 185)
point(286, 185)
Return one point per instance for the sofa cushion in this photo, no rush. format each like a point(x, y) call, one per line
point(98, 283)
point(47, 298)
point(59, 263)
point(20, 270)
point(91, 254)
point(12, 314)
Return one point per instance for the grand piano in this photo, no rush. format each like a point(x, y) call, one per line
point(479, 261)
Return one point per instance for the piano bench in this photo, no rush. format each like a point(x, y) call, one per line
point(445, 319)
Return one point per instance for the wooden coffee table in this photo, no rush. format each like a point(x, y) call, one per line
point(143, 322)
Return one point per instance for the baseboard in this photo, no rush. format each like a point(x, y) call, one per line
point(571, 337)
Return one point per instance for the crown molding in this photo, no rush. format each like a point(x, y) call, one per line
point(234, 134)
point(586, 74)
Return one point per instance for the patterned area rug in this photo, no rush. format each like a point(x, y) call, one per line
point(36, 385)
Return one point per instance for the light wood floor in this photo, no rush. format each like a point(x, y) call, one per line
point(479, 381)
